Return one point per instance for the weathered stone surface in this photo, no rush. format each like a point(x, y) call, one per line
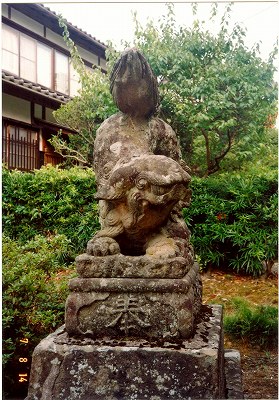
point(138, 308)
point(133, 85)
point(65, 367)
point(133, 266)
point(137, 200)
point(233, 375)
point(138, 277)
point(141, 179)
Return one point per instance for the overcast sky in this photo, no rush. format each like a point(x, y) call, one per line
point(113, 20)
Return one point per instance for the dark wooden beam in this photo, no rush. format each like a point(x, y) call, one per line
point(40, 123)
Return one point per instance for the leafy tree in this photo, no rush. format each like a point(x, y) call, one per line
point(256, 155)
point(218, 95)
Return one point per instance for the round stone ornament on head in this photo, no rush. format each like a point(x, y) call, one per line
point(134, 86)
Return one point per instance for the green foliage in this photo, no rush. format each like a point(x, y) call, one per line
point(232, 217)
point(48, 217)
point(261, 153)
point(30, 294)
point(34, 294)
point(258, 324)
point(218, 95)
point(50, 201)
point(233, 220)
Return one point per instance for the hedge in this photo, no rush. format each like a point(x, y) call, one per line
point(233, 220)
point(50, 201)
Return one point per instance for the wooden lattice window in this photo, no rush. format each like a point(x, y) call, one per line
point(20, 149)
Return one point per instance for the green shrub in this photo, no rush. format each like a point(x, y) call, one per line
point(48, 217)
point(233, 220)
point(35, 286)
point(50, 201)
point(257, 324)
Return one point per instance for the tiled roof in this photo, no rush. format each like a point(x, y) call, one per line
point(73, 26)
point(34, 87)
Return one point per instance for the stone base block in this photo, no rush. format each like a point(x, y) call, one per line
point(120, 266)
point(84, 369)
point(234, 389)
point(135, 308)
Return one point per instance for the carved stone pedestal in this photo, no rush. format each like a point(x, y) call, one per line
point(139, 307)
point(65, 367)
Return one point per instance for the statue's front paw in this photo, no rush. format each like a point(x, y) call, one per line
point(102, 246)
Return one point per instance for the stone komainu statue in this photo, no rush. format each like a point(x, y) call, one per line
point(141, 179)
point(134, 303)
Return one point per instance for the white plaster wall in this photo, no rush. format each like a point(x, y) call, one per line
point(54, 37)
point(27, 22)
point(103, 64)
point(5, 10)
point(86, 55)
point(18, 109)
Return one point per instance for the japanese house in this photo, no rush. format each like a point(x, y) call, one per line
point(37, 77)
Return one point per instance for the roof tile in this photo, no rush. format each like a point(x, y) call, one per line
point(7, 76)
point(72, 25)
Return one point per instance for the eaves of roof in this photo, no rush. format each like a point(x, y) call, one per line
point(30, 88)
point(49, 18)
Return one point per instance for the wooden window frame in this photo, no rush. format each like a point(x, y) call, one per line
point(30, 158)
point(51, 64)
point(54, 71)
point(21, 57)
point(54, 50)
point(48, 43)
point(18, 46)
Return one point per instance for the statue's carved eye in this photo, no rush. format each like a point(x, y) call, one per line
point(106, 170)
point(159, 190)
point(141, 183)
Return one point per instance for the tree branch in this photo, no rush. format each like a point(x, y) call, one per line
point(207, 149)
point(215, 166)
point(230, 143)
point(61, 147)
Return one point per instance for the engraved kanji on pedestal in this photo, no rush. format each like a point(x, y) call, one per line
point(127, 314)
